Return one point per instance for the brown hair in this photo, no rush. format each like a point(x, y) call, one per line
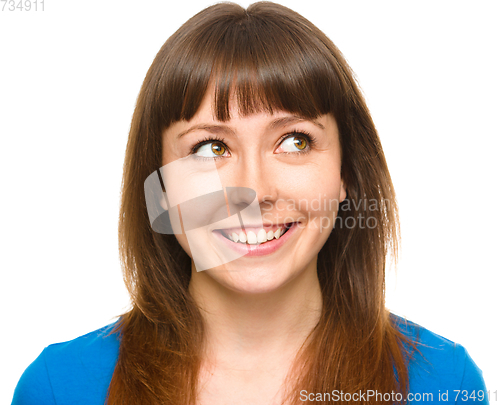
point(272, 59)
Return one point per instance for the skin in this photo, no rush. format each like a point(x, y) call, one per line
point(258, 317)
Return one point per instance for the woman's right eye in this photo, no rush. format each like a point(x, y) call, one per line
point(210, 150)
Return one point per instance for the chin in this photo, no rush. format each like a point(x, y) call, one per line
point(251, 280)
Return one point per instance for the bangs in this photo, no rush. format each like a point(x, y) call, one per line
point(267, 61)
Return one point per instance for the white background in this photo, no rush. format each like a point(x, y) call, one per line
point(69, 78)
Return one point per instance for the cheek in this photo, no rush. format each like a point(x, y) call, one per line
point(314, 185)
point(313, 193)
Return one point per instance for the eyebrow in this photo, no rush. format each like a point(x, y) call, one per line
point(225, 129)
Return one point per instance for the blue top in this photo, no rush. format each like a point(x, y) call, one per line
point(79, 372)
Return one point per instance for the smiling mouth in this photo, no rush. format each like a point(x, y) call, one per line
point(258, 237)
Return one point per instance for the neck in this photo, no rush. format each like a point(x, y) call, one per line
point(264, 328)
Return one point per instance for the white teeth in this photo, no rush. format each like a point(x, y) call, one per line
point(261, 236)
point(251, 238)
point(242, 237)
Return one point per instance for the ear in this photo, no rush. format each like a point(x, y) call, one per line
point(343, 191)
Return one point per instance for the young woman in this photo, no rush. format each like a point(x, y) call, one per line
point(255, 257)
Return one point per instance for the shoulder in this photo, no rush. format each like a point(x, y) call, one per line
point(440, 366)
point(77, 371)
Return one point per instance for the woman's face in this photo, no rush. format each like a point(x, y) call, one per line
point(293, 166)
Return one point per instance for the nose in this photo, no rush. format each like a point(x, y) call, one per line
point(252, 179)
point(240, 195)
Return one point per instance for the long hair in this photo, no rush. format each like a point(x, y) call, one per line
point(271, 59)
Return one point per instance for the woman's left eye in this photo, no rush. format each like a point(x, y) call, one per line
point(297, 142)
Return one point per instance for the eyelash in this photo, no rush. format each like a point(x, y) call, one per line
point(311, 140)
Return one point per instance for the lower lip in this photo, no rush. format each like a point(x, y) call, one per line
point(262, 249)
